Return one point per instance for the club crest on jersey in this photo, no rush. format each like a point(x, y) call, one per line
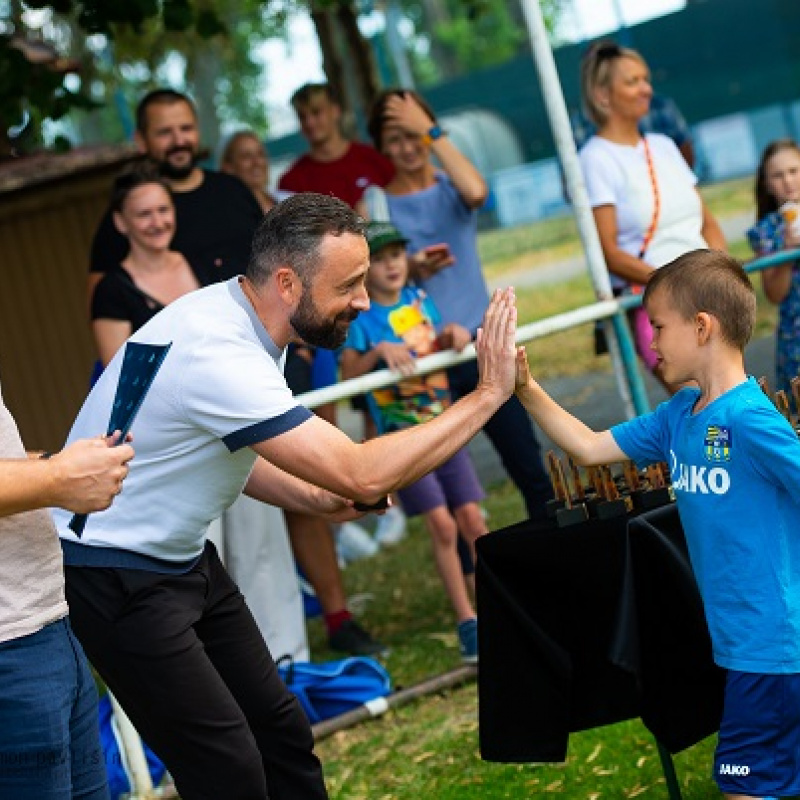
point(718, 443)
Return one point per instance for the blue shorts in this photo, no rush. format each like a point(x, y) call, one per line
point(758, 752)
point(454, 484)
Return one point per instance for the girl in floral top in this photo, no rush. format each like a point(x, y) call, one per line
point(778, 182)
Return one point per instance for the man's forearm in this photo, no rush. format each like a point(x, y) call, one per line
point(393, 461)
point(25, 485)
point(272, 485)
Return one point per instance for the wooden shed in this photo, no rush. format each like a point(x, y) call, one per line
point(49, 208)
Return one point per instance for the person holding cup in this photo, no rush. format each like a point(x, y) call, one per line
point(777, 193)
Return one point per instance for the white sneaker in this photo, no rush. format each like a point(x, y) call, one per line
point(391, 527)
point(354, 542)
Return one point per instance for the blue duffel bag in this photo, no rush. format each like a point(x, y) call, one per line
point(334, 687)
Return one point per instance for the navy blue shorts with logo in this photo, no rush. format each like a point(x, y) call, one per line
point(758, 752)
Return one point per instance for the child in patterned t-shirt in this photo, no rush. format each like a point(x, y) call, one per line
point(400, 327)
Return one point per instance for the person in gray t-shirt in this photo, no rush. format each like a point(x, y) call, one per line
point(55, 723)
point(437, 210)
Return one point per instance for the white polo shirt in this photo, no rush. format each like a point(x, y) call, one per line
point(219, 390)
point(618, 175)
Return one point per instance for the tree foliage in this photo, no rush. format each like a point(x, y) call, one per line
point(125, 47)
point(455, 36)
point(210, 49)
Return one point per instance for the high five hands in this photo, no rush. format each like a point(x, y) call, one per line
point(495, 344)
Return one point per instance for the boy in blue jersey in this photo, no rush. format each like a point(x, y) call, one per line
point(735, 464)
point(399, 327)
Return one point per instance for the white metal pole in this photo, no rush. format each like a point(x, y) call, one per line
point(565, 145)
point(142, 783)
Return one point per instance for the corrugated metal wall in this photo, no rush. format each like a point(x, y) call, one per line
point(46, 348)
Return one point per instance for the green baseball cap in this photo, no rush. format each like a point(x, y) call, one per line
point(380, 234)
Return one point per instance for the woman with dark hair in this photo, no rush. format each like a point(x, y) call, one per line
point(777, 193)
point(151, 275)
point(646, 207)
point(437, 211)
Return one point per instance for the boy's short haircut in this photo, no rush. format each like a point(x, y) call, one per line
point(308, 91)
point(713, 282)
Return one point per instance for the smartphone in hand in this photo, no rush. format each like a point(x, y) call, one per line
point(442, 249)
point(381, 505)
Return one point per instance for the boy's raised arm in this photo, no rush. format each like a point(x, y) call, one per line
point(566, 431)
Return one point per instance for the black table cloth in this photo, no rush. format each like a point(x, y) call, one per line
point(591, 625)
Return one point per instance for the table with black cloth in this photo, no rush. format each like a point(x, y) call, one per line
point(590, 625)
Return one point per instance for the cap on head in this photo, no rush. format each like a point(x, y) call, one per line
point(380, 234)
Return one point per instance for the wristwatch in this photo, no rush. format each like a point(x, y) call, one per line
point(434, 133)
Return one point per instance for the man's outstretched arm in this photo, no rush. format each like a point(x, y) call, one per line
point(322, 455)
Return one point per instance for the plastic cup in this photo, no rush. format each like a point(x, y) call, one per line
point(791, 217)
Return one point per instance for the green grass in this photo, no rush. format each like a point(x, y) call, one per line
point(530, 246)
point(429, 748)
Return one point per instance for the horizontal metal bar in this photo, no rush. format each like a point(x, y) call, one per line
point(526, 333)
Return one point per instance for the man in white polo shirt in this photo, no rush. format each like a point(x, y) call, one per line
point(157, 614)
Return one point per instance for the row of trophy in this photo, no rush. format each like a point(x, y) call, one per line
point(609, 491)
point(602, 492)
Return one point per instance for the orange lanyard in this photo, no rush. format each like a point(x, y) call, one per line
point(648, 237)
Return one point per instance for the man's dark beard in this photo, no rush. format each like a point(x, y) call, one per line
point(171, 172)
point(313, 330)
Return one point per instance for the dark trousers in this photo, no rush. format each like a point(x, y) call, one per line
point(510, 431)
point(187, 662)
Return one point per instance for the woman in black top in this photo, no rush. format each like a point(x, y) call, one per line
point(151, 275)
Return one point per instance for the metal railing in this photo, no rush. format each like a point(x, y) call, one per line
point(602, 310)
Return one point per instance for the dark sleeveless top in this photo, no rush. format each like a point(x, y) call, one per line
point(118, 297)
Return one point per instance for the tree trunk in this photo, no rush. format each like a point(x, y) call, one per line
point(332, 63)
point(363, 59)
point(202, 70)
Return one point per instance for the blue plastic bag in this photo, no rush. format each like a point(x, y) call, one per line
point(334, 687)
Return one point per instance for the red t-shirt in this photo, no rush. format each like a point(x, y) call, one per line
point(346, 177)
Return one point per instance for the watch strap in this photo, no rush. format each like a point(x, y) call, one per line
point(434, 132)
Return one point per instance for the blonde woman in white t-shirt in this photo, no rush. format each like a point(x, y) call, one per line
point(643, 195)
